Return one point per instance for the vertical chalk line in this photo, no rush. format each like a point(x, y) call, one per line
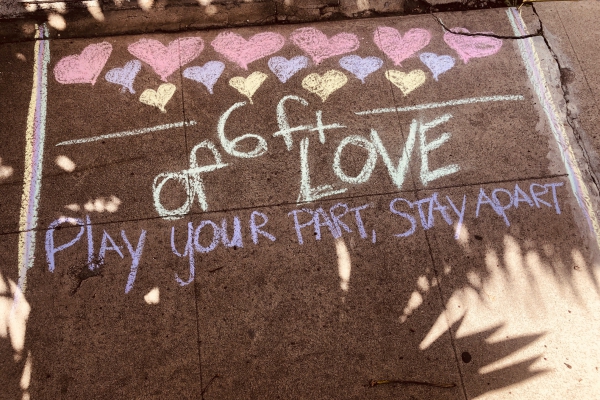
point(538, 80)
point(34, 151)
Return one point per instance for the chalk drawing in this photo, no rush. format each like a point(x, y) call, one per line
point(242, 52)
point(124, 76)
point(449, 103)
point(134, 132)
point(230, 145)
point(427, 175)
point(160, 97)
point(248, 86)
point(316, 44)
point(285, 130)
point(165, 60)
point(51, 250)
point(284, 69)
point(207, 75)
point(397, 172)
point(368, 167)
point(84, 67)
point(413, 222)
point(324, 86)
point(35, 134)
point(190, 179)
point(361, 67)
point(406, 82)
point(469, 47)
point(307, 192)
point(399, 48)
point(437, 64)
point(136, 255)
point(332, 220)
point(555, 119)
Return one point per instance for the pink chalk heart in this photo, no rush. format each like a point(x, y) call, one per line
point(469, 47)
point(84, 67)
point(399, 48)
point(165, 60)
point(242, 52)
point(316, 44)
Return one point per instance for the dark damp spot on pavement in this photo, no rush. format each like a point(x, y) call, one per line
point(478, 237)
point(466, 357)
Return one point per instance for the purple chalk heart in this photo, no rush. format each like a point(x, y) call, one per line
point(284, 68)
point(437, 64)
point(207, 74)
point(125, 76)
point(361, 67)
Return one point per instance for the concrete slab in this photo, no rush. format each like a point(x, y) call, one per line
point(518, 296)
point(322, 318)
point(289, 293)
point(89, 336)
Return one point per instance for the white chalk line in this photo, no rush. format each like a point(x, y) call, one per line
point(128, 133)
point(458, 102)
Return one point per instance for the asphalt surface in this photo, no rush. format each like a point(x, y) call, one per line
point(349, 210)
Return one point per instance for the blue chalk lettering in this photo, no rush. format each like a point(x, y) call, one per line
point(429, 222)
point(521, 196)
point(50, 249)
point(189, 251)
point(104, 248)
point(236, 240)
point(215, 239)
point(336, 218)
point(554, 186)
point(460, 214)
point(535, 194)
point(298, 225)
point(500, 209)
point(135, 258)
point(413, 222)
point(255, 228)
point(319, 215)
point(359, 221)
point(440, 208)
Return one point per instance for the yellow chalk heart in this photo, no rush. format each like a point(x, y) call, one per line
point(160, 97)
point(406, 82)
point(247, 86)
point(324, 85)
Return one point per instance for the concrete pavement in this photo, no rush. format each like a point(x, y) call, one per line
point(304, 211)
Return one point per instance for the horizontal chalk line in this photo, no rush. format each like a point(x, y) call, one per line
point(128, 133)
point(470, 100)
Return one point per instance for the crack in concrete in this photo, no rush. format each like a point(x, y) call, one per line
point(493, 35)
point(570, 117)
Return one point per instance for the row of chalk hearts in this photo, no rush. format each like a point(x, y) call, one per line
point(165, 60)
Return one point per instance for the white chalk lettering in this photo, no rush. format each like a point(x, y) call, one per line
point(255, 228)
point(427, 175)
point(308, 193)
point(368, 167)
point(190, 179)
point(230, 145)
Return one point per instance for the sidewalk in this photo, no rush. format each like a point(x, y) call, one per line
point(304, 211)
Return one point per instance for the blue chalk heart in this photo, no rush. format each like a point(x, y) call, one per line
point(437, 64)
point(284, 69)
point(361, 67)
point(125, 76)
point(208, 74)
